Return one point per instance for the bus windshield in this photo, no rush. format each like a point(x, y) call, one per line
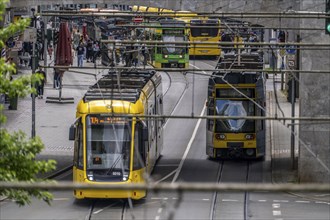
point(204, 30)
point(234, 108)
point(108, 147)
point(173, 48)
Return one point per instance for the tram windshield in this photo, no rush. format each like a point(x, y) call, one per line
point(234, 108)
point(173, 48)
point(108, 147)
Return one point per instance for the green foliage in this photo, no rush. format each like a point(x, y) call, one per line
point(17, 163)
point(17, 152)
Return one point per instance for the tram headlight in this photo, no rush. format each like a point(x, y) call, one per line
point(249, 152)
point(220, 136)
point(165, 56)
point(249, 136)
point(180, 56)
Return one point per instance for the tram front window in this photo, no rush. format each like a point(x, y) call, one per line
point(108, 148)
point(234, 108)
point(173, 48)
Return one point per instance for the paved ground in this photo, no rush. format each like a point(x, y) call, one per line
point(53, 122)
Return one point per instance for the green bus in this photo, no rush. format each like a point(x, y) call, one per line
point(169, 54)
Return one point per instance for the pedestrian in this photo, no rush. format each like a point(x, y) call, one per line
point(41, 50)
point(50, 51)
point(56, 83)
point(41, 84)
point(96, 51)
point(80, 54)
point(89, 53)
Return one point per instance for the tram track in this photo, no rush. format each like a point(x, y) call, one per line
point(215, 197)
point(179, 98)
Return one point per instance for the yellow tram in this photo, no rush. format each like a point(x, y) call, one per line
point(233, 93)
point(113, 144)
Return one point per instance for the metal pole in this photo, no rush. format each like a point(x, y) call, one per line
point(33, 130)
point(293, 121)
point(46, 43)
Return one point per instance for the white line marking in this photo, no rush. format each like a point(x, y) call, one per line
point(262, 200)
point(160, 210)
point(60, 199)
point(276, 206)
point(167, 176)
point(156, 198)
point(280, 200)
point(189, 146)
point(321, 202)
point(229, 200)
point(157, 217)
point(277, 212)
point(98, 211)
point(302, 201)
point(174, 198)
point(206, 199)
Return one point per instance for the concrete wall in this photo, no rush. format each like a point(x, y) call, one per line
point(315, 100)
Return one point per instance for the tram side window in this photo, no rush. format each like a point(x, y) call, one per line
point(139, 148)
point(210, 112)
point(78, 148)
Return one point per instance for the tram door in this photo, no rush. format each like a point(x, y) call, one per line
point(78, 157)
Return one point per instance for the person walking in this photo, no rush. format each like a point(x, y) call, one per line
point(80, 54)
point(50, 51)
point(41, 84)
point(96, 51)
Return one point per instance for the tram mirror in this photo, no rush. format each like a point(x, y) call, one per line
point(72, 132)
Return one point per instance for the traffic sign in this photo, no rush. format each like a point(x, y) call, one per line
point(291, 63)
point(30, 35)
point(138, 19)
point(10, 43)
point(291, 50)
point(18, 46)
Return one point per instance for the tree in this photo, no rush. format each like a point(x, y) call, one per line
point(17, 152)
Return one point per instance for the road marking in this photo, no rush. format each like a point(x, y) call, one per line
point(276, 206)
point(280, 200)
point(61, 199)
point(262, 200)
point(100, 210)
point(229, 200)
point(177, 104)
point(277, 212)
point(301, 201)
point(206, 199)
point(167, 176)
point(317, 202)
point(160, 210)
point(157, 217)
point(189, 146)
